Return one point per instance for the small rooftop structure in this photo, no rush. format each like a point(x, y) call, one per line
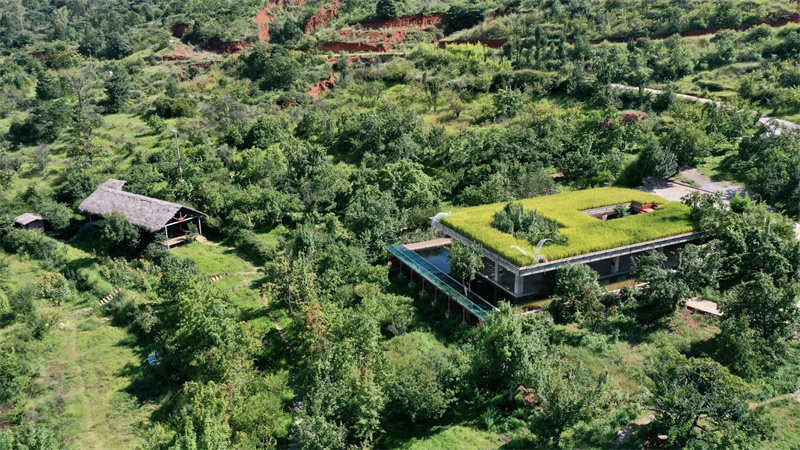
point(31, 221)
point(147, 213)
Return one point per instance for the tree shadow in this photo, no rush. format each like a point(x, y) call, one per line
point(148, 384)
point(706, 348)
point(728, 169)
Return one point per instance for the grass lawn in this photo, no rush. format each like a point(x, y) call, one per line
point(20, 271)
point(212, 259)
point(785, 414)
point(624, 359)
point(720, 168)
point(452, 437)
point(84, 384)
point(586, 234)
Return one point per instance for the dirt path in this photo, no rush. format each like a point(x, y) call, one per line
point(795, 395)
point(773, 123)
point(75, 355)
point(298, 399)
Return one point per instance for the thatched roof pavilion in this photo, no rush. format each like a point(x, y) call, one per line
point(147, 213)
point(30, 221)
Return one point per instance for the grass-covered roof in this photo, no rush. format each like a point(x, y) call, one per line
point(586, 234)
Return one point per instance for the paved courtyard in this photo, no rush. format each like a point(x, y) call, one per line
point(672, 189)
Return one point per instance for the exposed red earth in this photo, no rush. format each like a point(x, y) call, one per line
point(415, 21)
point(386, 36)
point(227, 48)
point(322, 87)
point(268, 14)
point(323, 17)
point(373, 36)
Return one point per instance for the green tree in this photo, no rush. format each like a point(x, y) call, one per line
point(203, 340)
point(273, 67)
point(117, 88)
point(462, 16)
point(422, 376)
point(770, 310)
point(507, 103)
point(373, 216)
point(664, 289)
point(116, 47)
point(577, 297)
point(741, 349)
point(202, 420)
point(570, 396)
point(50, 86)
point(700, 266)
point(386, 9)
point(697, 401)
point(725, 44)
point(465, 263)
point(656, 162)
point(119, 235)
point(512, 351)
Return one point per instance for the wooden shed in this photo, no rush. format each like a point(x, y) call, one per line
point(30, 221)
point(150, 214)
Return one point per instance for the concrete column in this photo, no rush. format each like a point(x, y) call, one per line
point(615, 265)
point(517, 285)
point(496, 272)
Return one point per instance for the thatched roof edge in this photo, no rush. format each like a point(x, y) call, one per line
point(145, 212)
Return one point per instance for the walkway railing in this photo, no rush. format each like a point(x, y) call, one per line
point(473, 303)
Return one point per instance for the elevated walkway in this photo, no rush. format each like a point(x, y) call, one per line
point(473, 303)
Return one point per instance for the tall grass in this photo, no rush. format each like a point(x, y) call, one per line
point(586, 234)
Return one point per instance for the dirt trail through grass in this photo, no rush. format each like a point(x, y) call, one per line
point(75, 355)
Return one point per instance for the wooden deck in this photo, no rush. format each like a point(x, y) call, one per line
point(172, 242)
point(703, 306)
point(425, 245)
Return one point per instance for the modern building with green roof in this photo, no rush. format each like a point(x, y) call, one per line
point(602, 227)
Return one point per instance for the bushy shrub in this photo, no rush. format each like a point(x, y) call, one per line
point(89, 280)
point(119, 235)
point(54, 287)
point(254, 247)
point(175, 107)
point(34, 245)
point(529, 225)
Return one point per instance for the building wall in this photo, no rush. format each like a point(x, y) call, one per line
point(36, 225)
point(538, 285)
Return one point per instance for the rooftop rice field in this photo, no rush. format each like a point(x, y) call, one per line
point(586, 234)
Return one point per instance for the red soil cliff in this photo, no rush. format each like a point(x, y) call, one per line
point(227, 48)
point(268, 14)
point(417, 20)
point(323, 87)
point(323, 17)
